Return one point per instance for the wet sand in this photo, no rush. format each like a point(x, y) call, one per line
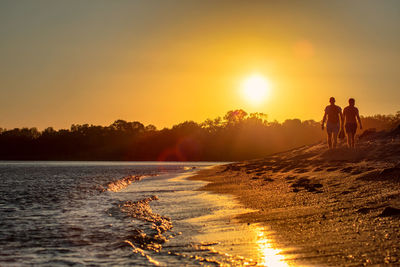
point(328, 208)
point(201, 231)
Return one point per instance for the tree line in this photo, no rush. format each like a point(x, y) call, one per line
point(235, 136)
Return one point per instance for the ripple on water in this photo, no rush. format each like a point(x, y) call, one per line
point(58, 214)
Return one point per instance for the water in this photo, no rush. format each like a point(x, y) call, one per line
point(86, 214)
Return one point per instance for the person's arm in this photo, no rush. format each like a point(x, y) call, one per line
point(359, 120)
point(323, 120)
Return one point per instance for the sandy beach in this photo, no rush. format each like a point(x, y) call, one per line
point(328, 208)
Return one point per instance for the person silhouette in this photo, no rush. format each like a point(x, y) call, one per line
point(351, 116)
point(334, 122)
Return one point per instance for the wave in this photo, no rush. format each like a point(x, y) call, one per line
point(141, 210)
point(117, 185)
point(149, 237)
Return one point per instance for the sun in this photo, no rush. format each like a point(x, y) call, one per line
point(255, 89)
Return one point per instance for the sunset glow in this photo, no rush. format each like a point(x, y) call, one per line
point(255, 89)
point(82, 63)
point(201, 132)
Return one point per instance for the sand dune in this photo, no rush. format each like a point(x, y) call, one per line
point(339, 207)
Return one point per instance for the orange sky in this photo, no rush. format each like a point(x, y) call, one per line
point(164, 62)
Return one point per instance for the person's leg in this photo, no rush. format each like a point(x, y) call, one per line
point(352, 140)
point(348, 139)
point(329, 134)
point(335, 134)
point(353, 134)
point(346, 127)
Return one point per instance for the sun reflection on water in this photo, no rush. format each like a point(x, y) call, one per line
point(225, 239)
point(268, 255)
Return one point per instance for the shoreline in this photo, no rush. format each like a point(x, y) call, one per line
point(205, 226)
point(330, 208)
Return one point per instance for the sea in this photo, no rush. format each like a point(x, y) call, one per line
point(55, 213)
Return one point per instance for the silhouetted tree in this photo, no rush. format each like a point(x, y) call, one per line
point(236, 136)
point(235, 116)
point(150, 128)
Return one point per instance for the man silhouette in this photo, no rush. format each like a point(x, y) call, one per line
point(334, 122)
point(351, 116)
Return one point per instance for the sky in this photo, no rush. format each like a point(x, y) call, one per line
point(164, 62)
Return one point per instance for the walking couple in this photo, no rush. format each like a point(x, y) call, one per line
point(335, 120)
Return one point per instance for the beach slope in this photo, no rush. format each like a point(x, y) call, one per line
point(339, 207)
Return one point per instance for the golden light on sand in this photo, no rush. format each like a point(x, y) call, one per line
point(268, 254)
point(255, 89)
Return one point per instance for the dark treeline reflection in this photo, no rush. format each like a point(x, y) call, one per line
point(236, 136)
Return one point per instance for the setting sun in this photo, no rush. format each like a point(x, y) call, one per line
point(255, 89)
point(272, 129)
